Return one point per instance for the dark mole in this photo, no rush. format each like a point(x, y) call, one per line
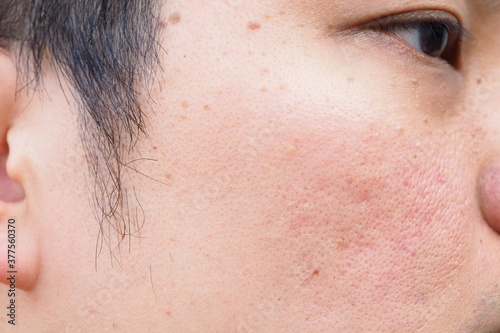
point(316, 272)
point(253, 25)
point(479, 81)
point(174, 18)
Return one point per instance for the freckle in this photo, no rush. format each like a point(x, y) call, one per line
point(168, 176)
point(174, 18)
point(177, 70)
point(401, 131)
point(185, 105)
point(207, 107)
point(253, 25)
point(282, 87)
point(267, 16)
point(414, 82)
point(426, 121)
point(479, 81)
point(300, 25)
point(264, 90)
point(168, 313)
point(316, 272)
point(330, 26)
point(350, 79)
point(264, 54)
point(282, 13)
point(183, 117)
point(265, 70)
point(349, 181)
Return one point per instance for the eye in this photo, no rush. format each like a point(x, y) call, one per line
point(435, 34)
point(431, 38)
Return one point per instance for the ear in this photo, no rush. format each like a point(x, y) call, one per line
point(19, 254)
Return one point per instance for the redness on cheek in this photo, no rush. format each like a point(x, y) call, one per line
point(367, 202)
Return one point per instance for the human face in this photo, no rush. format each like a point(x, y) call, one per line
point(306, 172)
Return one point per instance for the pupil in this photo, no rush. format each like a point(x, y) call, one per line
point(433, 38)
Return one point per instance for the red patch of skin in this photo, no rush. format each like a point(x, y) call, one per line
point(371, 212)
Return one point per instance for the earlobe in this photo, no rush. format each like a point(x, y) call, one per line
point(19, 251)
point(20, 255)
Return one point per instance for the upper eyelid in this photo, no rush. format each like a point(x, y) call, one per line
point(413, 16)
point(419, 16)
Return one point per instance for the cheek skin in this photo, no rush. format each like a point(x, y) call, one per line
point(375, 217)
point(333, 195)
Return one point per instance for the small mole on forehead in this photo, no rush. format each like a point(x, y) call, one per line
point(253, 25)
point(174, 18)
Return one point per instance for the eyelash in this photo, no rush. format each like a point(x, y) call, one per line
point(459, 35)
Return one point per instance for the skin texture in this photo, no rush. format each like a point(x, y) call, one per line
point(304, 176)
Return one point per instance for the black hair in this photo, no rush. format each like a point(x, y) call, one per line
point(108, 51)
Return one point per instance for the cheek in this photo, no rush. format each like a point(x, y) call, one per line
point(371, 211)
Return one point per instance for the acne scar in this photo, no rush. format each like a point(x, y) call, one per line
point(253, 25)
point(174, 18)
